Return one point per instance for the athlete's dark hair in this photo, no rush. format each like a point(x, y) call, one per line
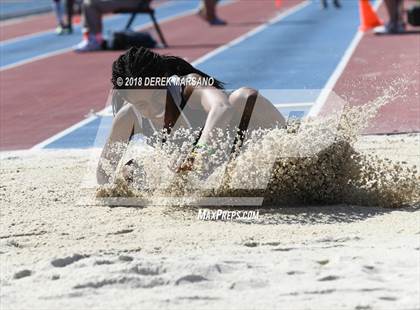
point(142, 62)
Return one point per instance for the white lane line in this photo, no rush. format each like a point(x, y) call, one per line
point(195, 63)
point(35, 58)
point(329, 86)
point(64, 132)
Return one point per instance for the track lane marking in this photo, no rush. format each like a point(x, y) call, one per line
point(329, 86)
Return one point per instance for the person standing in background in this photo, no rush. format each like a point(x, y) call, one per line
point(58, 8)
point(59, 15)
point(69, 11)
point(396, 23)
point(92, 11)
point(207, 11)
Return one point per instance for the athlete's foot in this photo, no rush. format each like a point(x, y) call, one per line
point(127, 173)
point(337, 4)
point(324, 4)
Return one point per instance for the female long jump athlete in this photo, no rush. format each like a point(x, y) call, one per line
point(141, 109)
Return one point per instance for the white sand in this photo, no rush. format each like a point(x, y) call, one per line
point(335, 257)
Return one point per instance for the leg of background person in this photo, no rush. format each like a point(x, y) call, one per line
point(392, 8)
point(210, 9)
point(202, 10)
point(91, 17)
point(93, 10)
point(58, 10)
point(400, 6)
point(211, 15)
point(69, 8)
point(395, 10)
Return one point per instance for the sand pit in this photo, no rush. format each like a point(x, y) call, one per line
point(56, 253)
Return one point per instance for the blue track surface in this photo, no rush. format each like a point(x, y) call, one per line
point(297, 55)
point(13, 8)
point(91, 134)
point(298, 52)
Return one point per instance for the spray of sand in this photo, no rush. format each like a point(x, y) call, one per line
point(310, 162)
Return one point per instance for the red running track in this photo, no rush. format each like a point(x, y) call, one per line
point(378, 63)
point(26, 26)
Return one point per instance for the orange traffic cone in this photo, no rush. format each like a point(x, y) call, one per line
point(278, 3)
point(368, 17)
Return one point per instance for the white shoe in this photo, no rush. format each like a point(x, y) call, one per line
point(89, 45)
point(389, 29)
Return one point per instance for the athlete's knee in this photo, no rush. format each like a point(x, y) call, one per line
point(241, 95)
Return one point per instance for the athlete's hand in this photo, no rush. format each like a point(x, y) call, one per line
point(187, 165)
point(128, 173)
point(195, 158)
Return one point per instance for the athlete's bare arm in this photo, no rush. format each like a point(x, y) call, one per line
point(122, 127)
point(214, 102)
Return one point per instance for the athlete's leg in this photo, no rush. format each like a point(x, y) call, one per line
point(264, 113)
